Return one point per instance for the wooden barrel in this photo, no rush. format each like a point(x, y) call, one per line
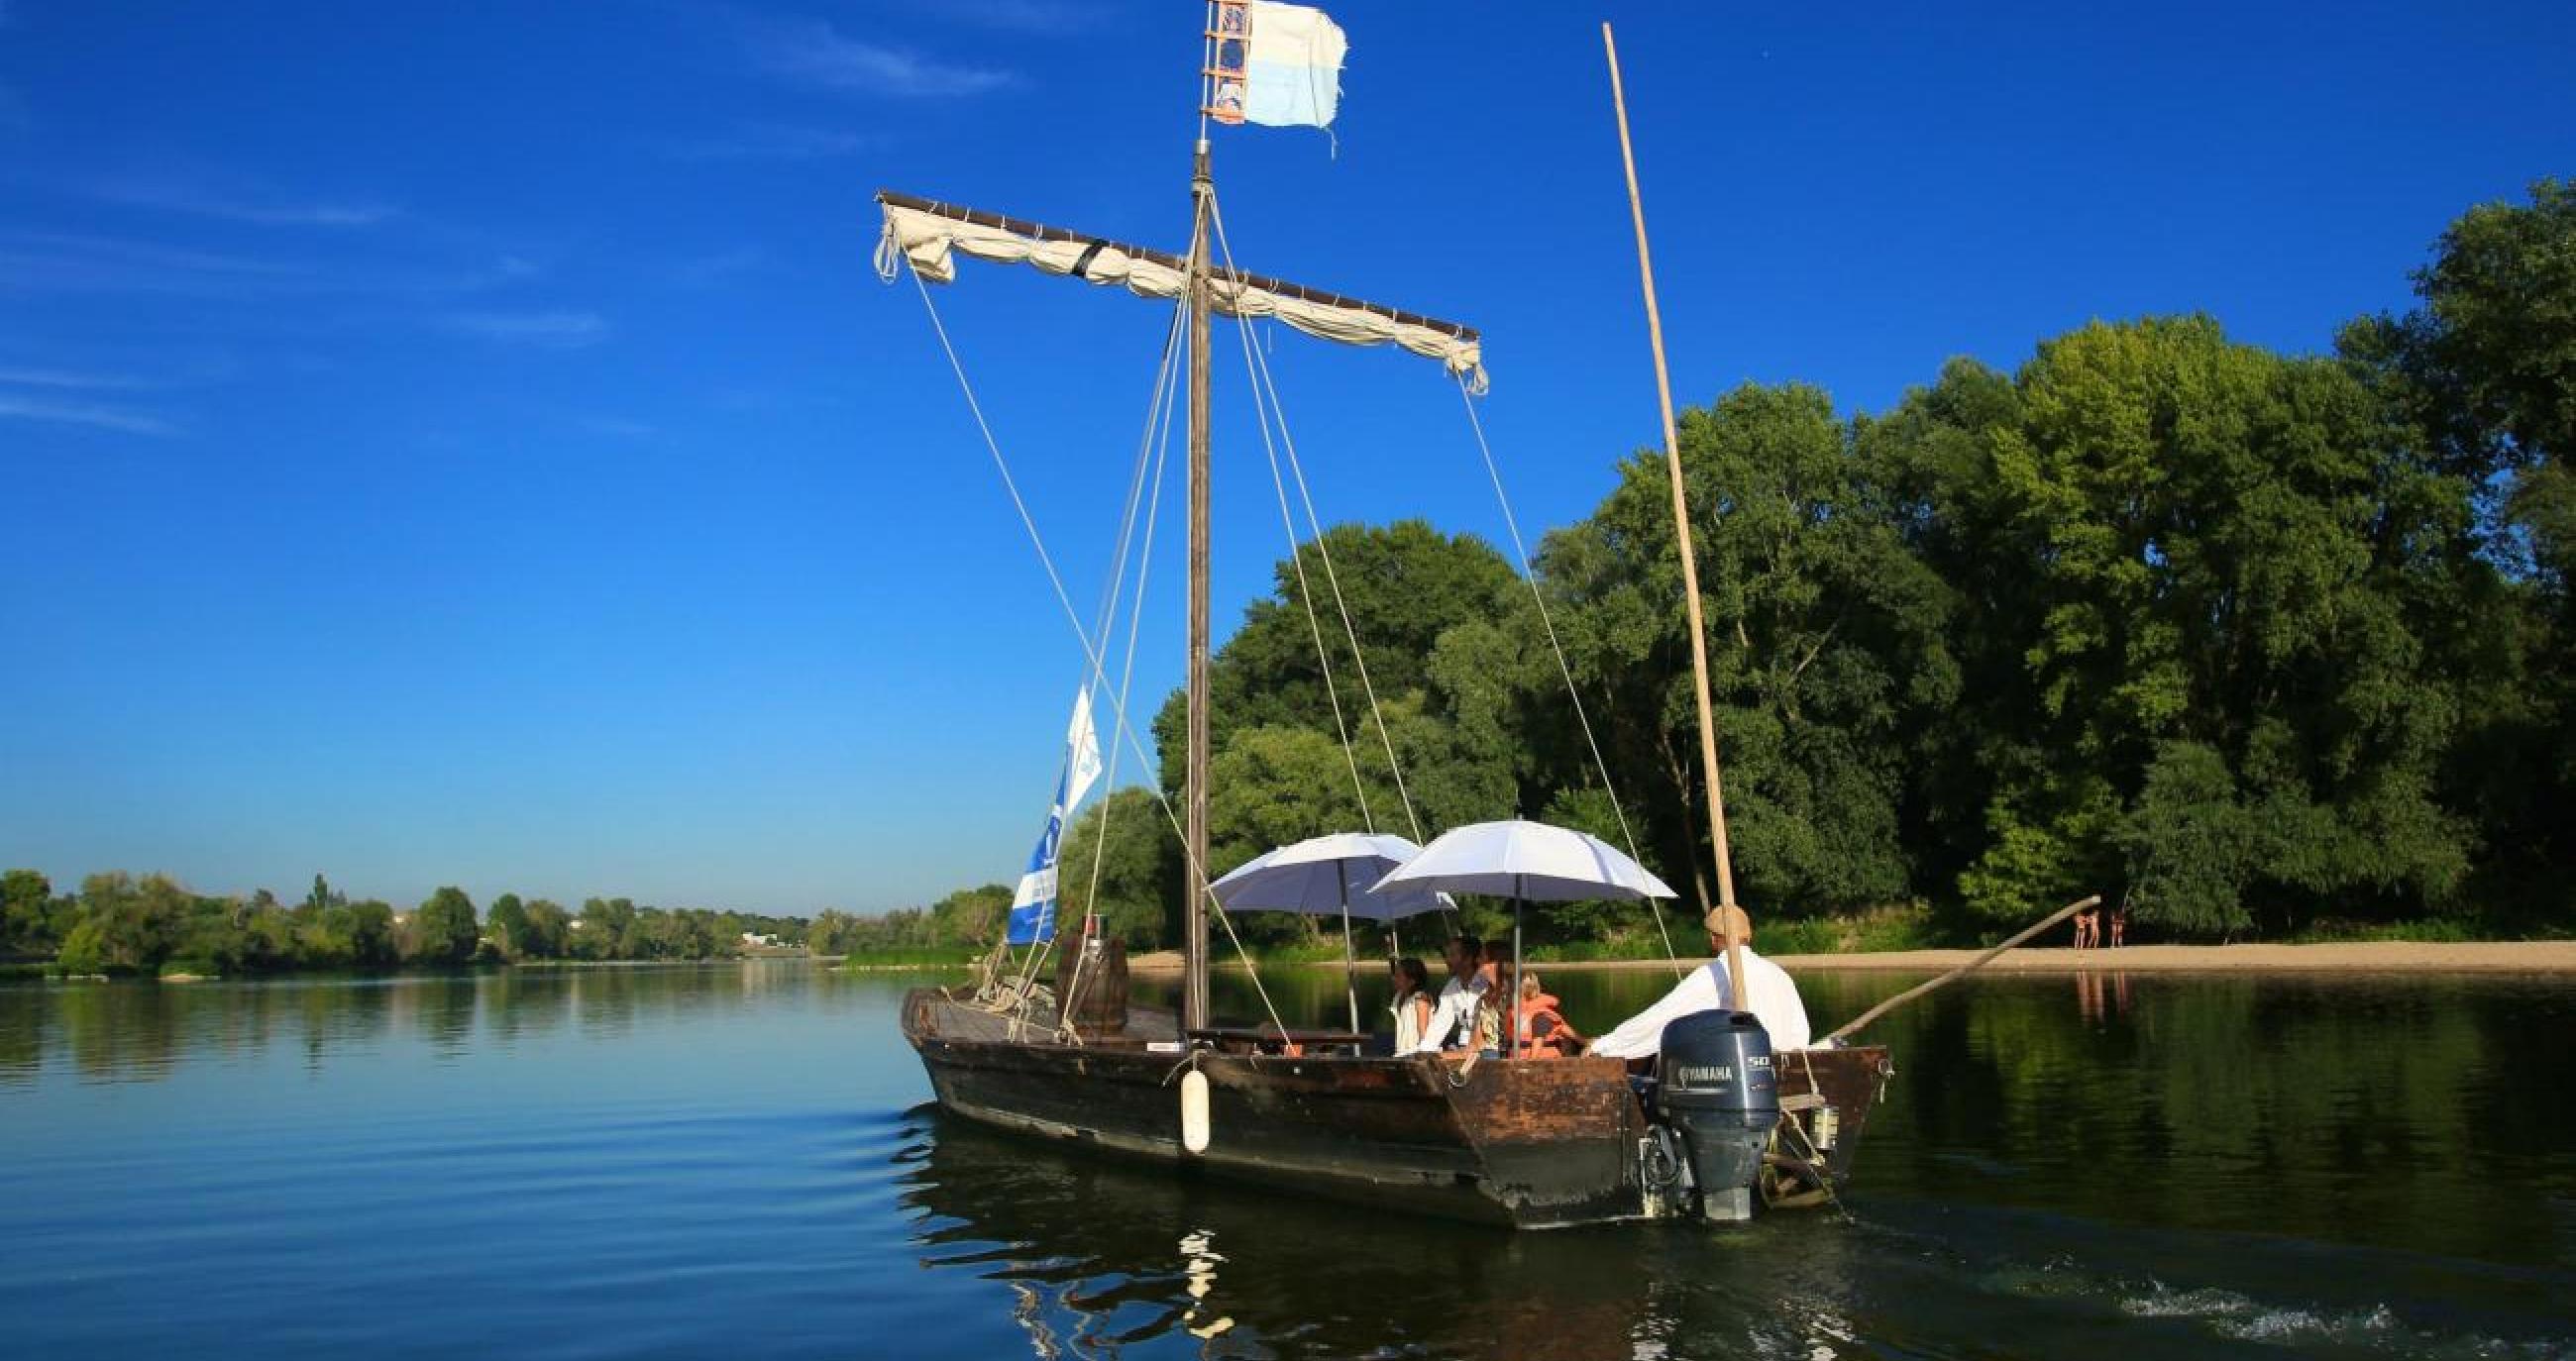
point(1096, 1002)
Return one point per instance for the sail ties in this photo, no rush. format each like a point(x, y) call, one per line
point(931, 241)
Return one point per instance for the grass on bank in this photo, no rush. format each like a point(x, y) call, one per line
point(906, 957)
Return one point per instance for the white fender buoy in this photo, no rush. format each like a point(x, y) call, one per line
point(1194, 1111)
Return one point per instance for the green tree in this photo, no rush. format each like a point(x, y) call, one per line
point(2483, 378)
point(507, 923)
point(1126, 835)
point(84, 951)
point(970, 916)
point(443, 930)
point(134, 924)
point(545, 929)
point(369, 929)
point(25, 922)
point(1827, 637)
point(2164, 537)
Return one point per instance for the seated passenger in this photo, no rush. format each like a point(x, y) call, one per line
point(1456, 1021)
point(1773, 998)
point(1543, 1030)
point(1412, 1006)
point(1492, 998)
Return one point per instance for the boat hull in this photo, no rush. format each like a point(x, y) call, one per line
point(1530, 1144)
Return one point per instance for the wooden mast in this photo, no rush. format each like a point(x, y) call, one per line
point(1681, 535)
point(1194, 792)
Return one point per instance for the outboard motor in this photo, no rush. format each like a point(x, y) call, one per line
point(1715, 1086)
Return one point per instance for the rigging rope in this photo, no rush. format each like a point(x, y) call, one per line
point(1306, 591)
point(1135, 627)
point(1157, 409)
point(1323, 551)
point(1055, 580)
point(1547, 623)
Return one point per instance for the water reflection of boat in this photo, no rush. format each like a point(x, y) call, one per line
point(1515, 1140)
point(1094, 1255)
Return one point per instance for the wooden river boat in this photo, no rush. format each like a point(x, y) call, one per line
point(1531, 1143)
point(1522, 1141)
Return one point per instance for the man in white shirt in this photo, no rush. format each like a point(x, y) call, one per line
point(1774, 999)
point(1459, 998)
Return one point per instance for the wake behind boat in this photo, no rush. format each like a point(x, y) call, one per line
point(1489, 1131)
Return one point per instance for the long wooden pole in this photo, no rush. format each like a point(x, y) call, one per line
point(1194, 797)
point(1681, 535)
point(1945, 980)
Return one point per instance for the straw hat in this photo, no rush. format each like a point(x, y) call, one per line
point(1729, 923)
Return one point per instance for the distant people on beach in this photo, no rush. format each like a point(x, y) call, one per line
point(2120, 924)
point(2088, 928)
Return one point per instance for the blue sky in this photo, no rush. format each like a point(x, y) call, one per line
point(467, 443)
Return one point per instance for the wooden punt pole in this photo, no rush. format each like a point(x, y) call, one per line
point(1681, 536)
point(1853, 1026)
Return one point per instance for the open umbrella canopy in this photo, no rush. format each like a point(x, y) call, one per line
point(1313, 876)
point(1531, 860)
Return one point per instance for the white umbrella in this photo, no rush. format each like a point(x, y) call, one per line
point(1521, 861)
point(1327, 875)
point(1527, 860)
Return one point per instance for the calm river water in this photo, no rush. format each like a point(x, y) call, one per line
point(736, 1160)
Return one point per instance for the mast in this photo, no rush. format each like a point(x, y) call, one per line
point(1194, 791)
point(1681, 536)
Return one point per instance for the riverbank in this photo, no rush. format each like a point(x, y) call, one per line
point(2353, 957)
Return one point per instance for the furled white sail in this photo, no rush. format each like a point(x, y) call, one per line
point(929, 241)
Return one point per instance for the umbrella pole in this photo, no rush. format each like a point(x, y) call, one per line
point(1512, 1004)
point(1350, 970)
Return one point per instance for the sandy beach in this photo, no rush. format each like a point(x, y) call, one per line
point(2351, 957)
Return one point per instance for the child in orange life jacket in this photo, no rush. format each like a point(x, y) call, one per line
point(1543, 1030)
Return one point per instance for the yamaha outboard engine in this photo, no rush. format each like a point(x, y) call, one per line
point(1715, 1086)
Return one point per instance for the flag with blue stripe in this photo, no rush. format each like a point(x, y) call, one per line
point(1032, 919)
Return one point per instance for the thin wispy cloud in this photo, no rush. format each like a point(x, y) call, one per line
point(1018, 16)
point(707, 270)
point(70, 379)
point(616, 427)
point(773, 142)
point(545, 330)
point(80, 262)
point(92, 415)
point(817, 55)
point(191, 197)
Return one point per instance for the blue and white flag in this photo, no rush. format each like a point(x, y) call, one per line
point(1033, 906)
point(1275, 64)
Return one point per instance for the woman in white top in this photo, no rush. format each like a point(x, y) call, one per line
point(1412, 1005)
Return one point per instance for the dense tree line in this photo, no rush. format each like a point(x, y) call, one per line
point(2253, 641)
point(118, 923)
point(969, 918)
